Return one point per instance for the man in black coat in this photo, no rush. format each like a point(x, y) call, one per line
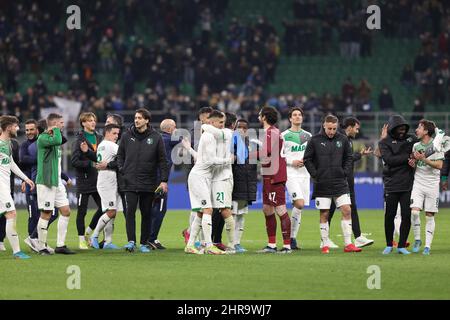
point(84, 159)
point(141, 153)
point(398, 178)
point(328, 159)
point(245, 176)
point(350, 128)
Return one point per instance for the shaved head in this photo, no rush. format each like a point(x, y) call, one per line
point(168, 126)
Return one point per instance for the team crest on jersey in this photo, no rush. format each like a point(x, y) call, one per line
point(111, 203)
point(338, 144)
point(294, 195)
point(47, 204)
point(8, 205)
point(203, 202)
point(149, 141)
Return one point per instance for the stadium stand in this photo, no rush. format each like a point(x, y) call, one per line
point(174, 57)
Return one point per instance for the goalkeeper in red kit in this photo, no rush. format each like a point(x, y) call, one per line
point(274, 181)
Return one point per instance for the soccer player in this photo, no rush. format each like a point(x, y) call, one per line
point(15, 156)
point(84, 159)
point(274, 179)
point(425, 191)
point(245, 180)
point(222, 180)
point(9, 126)
point(200, 189)
point(350, 127)
point(51, 192)
point(398, 178)
point(203, 115)
point(328, 159)
point(295, 142)
point(107, 185)
point(217, 217)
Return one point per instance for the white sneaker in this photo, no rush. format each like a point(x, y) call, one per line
point(330, 244)
point(230, 250)
point(39, 247)
point(362, 241)
point(2, 246)
point(50, 249)
point(32, 243)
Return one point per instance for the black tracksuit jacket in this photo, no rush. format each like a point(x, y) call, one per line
point(329, 162)
point(86, 173)
point(446, 166)
point(138, 158)
point(398, 176)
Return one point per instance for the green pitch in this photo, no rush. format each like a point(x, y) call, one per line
point(172, 274)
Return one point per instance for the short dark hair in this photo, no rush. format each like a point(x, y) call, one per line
point(242, 120)
point(31, 121)
point(270, 113)
point(230, 120)
point(6, 121)
point(111, 126)
point(216, 114)
point(117, 118)
point(42, 125)
point(204, 110)
point(350, 122)
point(291, 111)
point(428, 125)
point(53, 116)
point(330, 118)
point(145, 113)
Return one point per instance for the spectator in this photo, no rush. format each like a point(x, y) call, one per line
point(348, 89)
point(385, 100)
point(407, 79)
point(364, 91)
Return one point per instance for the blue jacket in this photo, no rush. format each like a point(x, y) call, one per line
point(27, 161)
point(169, 145)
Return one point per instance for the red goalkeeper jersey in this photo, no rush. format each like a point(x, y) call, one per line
point(273, 164)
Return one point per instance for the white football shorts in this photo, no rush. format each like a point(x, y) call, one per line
point(51, 198)
point(298, 189)
point(111, 199)
point(199, 192)
point(6, 202)
point(425, 198)
point(325, 203)
point(222, 192)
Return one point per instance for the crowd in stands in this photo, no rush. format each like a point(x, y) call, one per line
point(31, 39)
point(429, 72)
point(313, 28)
point(229, 68)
